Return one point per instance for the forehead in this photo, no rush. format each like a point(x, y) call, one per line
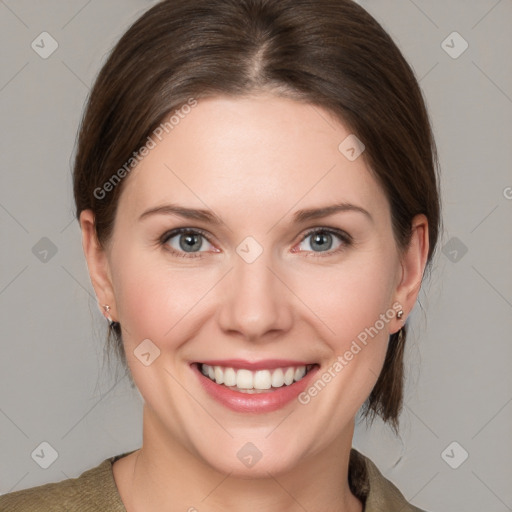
point(261, 152)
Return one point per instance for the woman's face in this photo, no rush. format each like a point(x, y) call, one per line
point(260, 276)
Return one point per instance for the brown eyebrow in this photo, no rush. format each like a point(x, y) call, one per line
point(316, 213)
point(210, 217)
point(180, 211)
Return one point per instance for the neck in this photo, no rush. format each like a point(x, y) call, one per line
point(164, 473)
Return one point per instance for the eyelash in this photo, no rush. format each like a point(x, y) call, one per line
point(344, 237)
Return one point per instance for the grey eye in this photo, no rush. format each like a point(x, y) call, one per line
point(321, 240)
point(188, 241)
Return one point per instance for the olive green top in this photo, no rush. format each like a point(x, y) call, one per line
point(95, 491)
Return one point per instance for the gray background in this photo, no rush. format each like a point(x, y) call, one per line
point(54, 385)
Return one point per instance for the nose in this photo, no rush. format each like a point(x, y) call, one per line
point(256, 304)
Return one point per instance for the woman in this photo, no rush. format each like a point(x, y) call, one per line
point(256, 186)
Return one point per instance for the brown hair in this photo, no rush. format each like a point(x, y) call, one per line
point(330, 53)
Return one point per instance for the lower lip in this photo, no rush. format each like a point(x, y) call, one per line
point(256, 402)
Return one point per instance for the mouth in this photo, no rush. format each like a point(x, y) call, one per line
point(263, 380)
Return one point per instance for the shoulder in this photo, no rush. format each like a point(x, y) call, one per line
point(93, 490)
point(381, 494)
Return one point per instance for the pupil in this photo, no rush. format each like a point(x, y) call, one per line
point(190, 242)
point(319, 239)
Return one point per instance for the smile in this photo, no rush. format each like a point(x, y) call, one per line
point(247, 381)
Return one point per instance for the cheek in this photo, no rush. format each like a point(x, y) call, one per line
point(137, 297)
point(351, 298)
point(153, 299)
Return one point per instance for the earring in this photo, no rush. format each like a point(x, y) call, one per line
point(106, 307)
point(400, 314)
point(106, 314)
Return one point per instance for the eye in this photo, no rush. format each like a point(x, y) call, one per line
point(186, 242)
point(323, 240)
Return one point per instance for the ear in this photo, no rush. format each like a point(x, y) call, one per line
point(97, 263)
point(413, 262)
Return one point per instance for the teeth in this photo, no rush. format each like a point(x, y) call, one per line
point(262, 380)
point(246, 380)
point(219, 375)
point(277, 378)
point(299, 373)
point(288, 376)
point(229, 377)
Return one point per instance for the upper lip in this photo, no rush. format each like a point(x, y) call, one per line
point(264, 364)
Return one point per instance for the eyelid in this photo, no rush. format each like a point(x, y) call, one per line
point(171, 233)
point(324, 229)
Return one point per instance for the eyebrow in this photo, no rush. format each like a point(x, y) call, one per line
point(208, 216)
point(315, 213)
point(181, 211)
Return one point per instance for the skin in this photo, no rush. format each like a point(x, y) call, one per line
point(253, 161)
